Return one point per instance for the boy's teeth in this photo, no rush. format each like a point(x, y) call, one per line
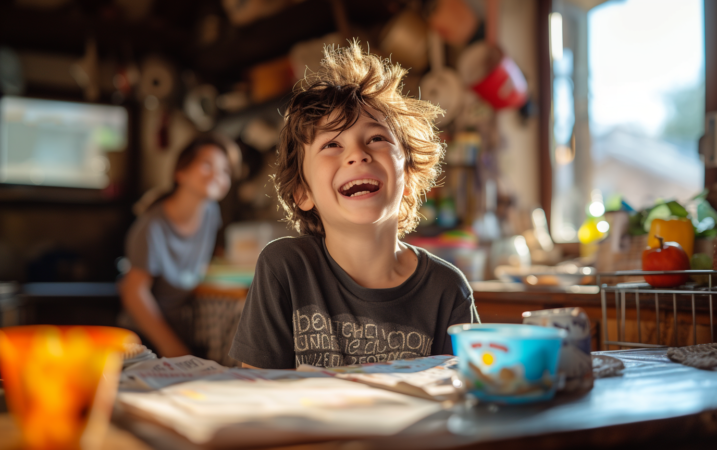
point(359, 193)
point(350, 184)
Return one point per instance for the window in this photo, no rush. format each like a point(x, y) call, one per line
point(628, 105)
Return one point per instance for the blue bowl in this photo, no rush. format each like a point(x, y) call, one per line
point(508, 363)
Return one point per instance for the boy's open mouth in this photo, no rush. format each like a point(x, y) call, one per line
point(357, 188)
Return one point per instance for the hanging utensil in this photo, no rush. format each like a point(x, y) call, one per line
point(405, 39)
point(489, 72)
point(441, 86)
point(454, 21)
point(200, 105)
point(493, 75)
point(85, 72)
point(156, 79)
point(155, 89)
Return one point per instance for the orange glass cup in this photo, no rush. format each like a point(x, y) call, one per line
point(60, 382)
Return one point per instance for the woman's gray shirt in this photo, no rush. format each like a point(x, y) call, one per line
point(176, 262)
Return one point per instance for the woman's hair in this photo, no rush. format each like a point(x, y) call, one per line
point(185, 159)
point(349, 82)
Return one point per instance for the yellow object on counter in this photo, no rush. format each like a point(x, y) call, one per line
point(60, 382)
point(674, 230)
point(589, 235)
point(589, 231)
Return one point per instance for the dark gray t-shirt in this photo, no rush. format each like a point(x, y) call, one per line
point(177, 263)
point(303, 308)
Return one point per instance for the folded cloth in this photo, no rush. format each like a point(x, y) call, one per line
point(606, 366)
point(702, 356)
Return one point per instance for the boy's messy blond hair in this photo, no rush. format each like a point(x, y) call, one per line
point(349, 82)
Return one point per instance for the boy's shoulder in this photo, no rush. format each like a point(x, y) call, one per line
point(444, 273)
point(289, 250)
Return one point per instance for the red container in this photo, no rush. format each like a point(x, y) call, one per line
point(493, 76)
point(504, 87)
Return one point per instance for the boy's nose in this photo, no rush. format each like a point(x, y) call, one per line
point(358, 155)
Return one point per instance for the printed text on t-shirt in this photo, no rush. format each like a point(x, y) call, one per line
point(324, 341)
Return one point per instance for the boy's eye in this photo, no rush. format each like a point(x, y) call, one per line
point(331, 145)
point(377, 138)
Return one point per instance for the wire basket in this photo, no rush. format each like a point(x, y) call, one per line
point(644, 298)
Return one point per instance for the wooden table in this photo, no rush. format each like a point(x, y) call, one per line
point(654, 403)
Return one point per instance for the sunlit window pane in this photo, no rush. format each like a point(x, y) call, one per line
point(628, 105)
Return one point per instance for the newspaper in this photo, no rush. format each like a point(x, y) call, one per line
point(214, 406)
point(160, 373)
point(265, 408)
point(429, 377)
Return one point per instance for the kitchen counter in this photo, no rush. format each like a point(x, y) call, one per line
point(521, 292)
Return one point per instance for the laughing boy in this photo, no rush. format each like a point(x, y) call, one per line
point(355, 158)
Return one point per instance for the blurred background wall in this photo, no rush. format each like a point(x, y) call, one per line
point(181, 67)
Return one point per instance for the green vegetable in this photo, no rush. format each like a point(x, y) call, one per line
point(707, 234)
point(705, 219)
point(676, 209)
point(704, 226)
point(705, 210)
point(661, 211)
point(613, 202)
point(635, 224)
point(701, 261)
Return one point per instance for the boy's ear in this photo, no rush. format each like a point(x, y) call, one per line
point(303, 199)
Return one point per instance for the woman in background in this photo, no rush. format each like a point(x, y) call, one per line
point(170, 245)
